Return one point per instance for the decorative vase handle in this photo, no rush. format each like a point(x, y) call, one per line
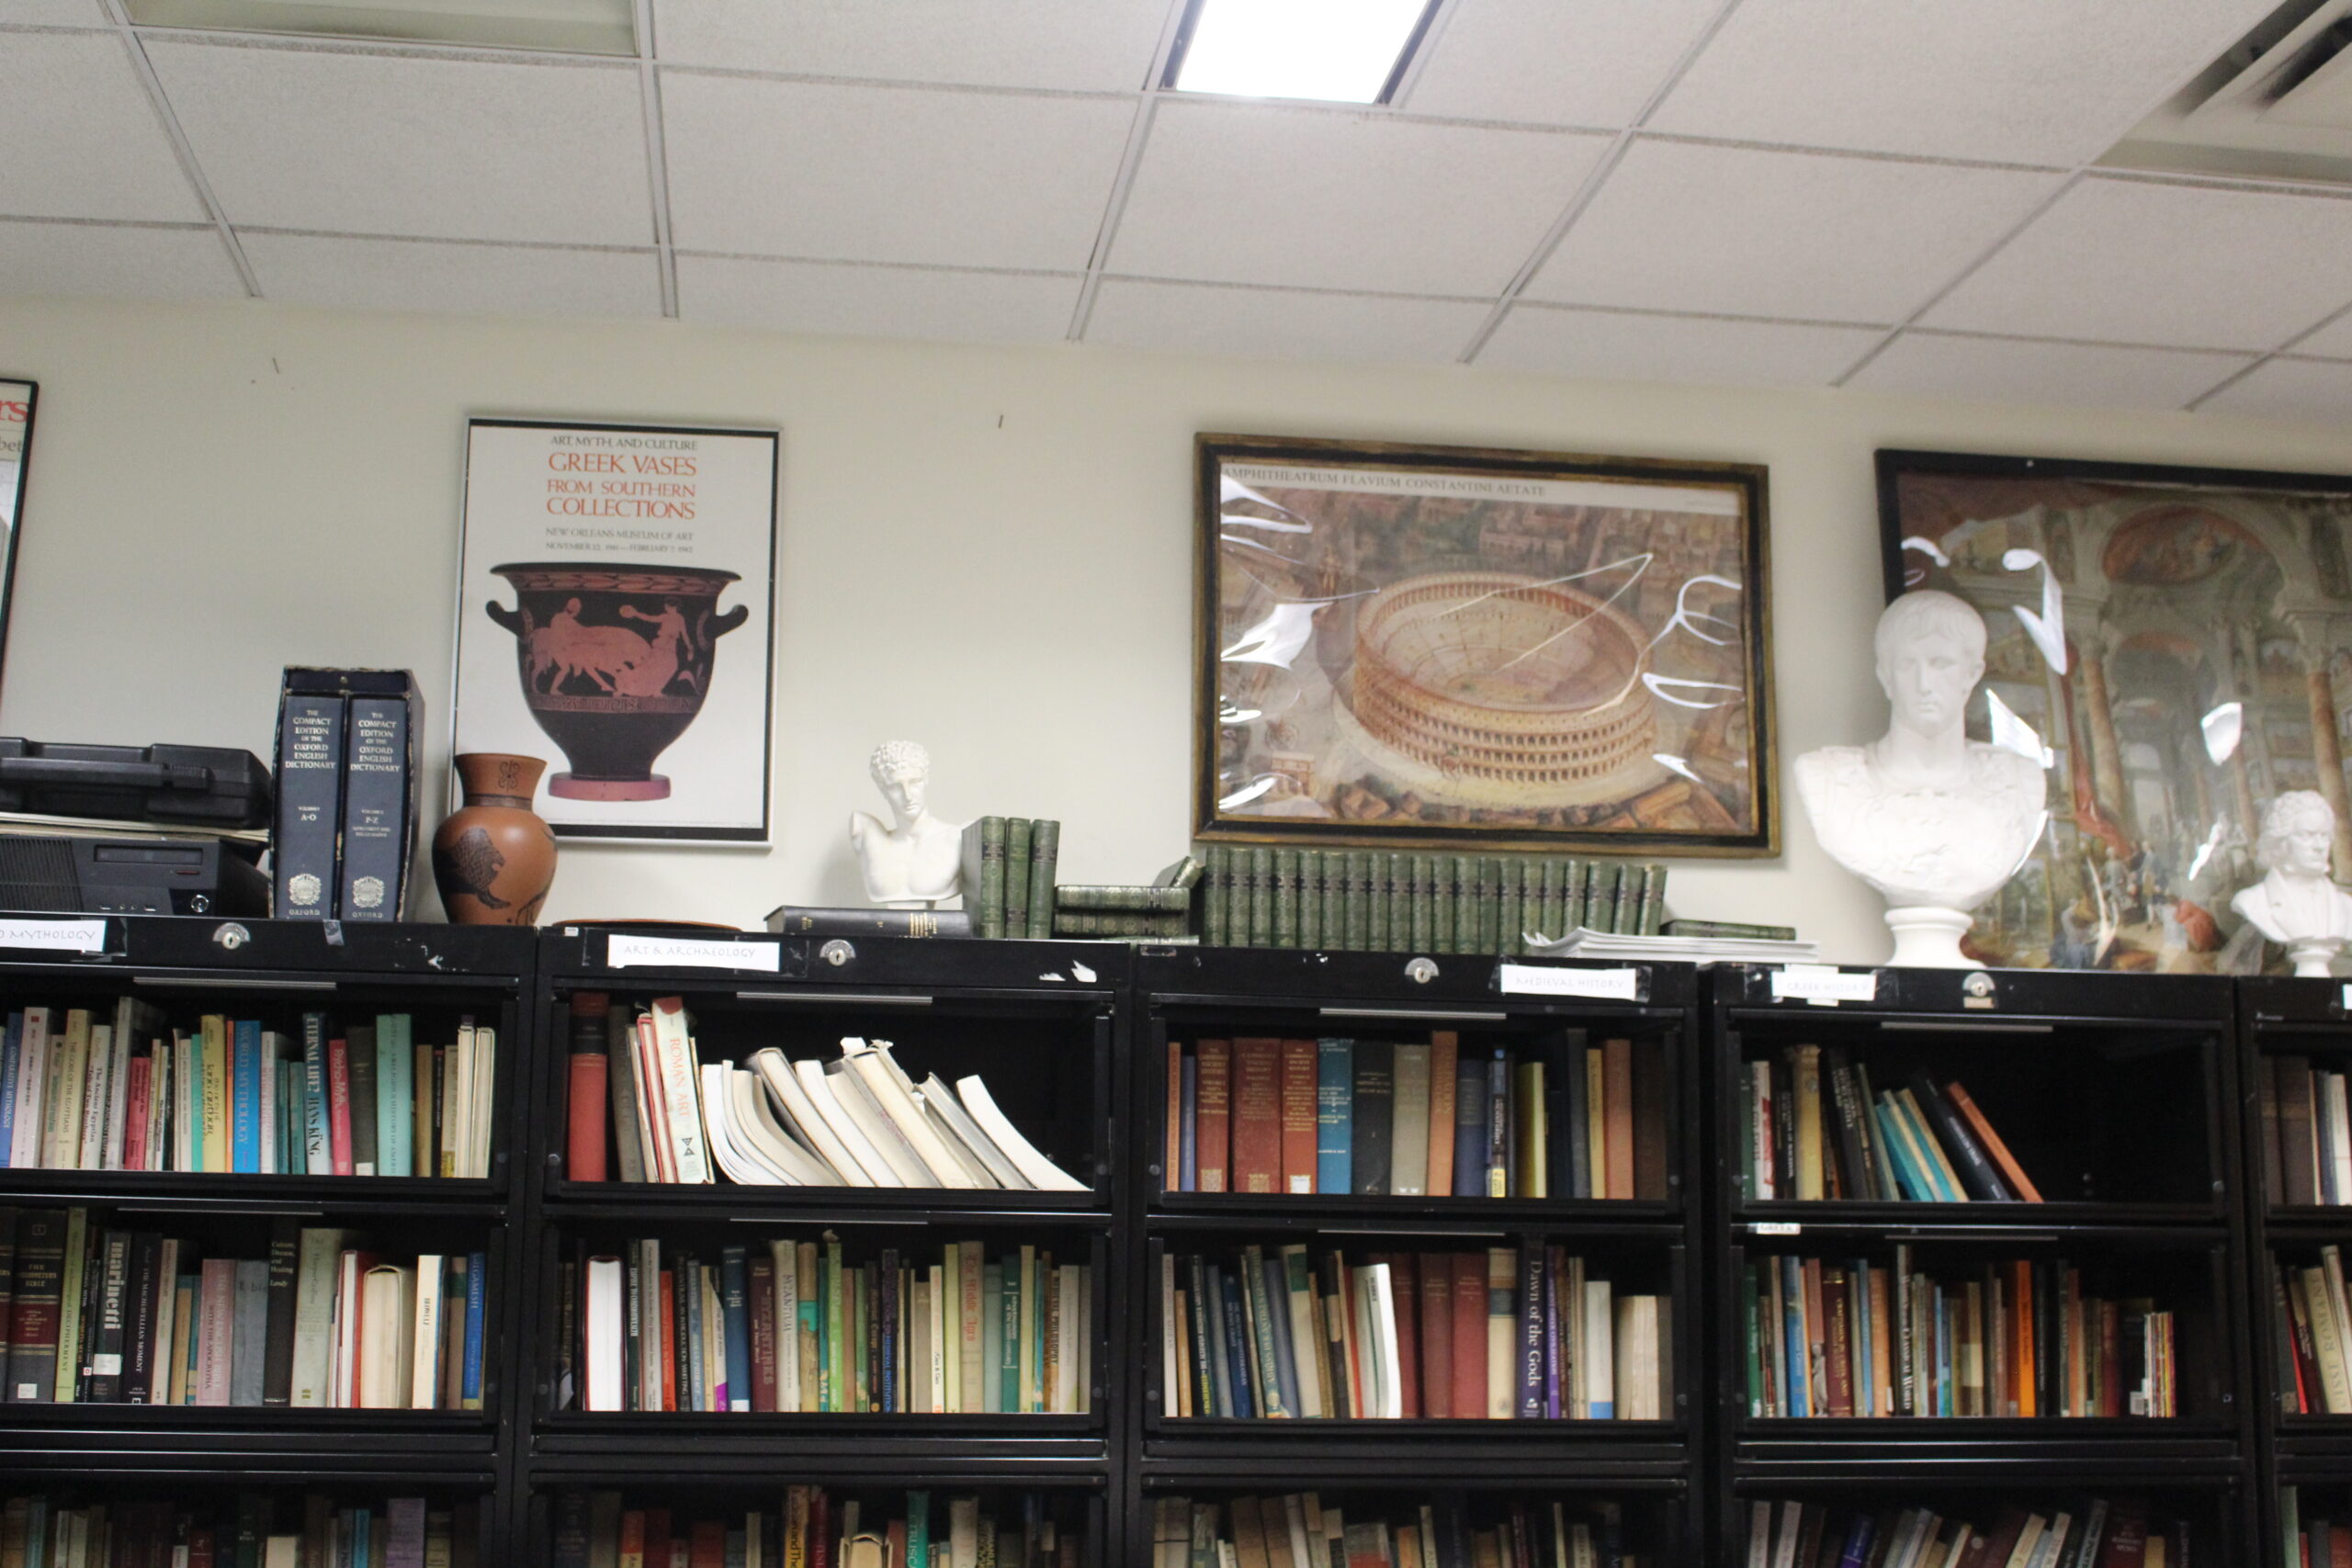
point(510, 619)
point(720, 626)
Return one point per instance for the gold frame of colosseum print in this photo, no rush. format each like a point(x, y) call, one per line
point(1445, 646)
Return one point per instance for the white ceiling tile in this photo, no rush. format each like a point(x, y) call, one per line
point(2290, 389)
point(2031, 81)
point(1614, 346)
point(888, 173)
point(2126, 260)
point(435, 276)
point(1273, 323)
point(102, 259)
point(1592, 63)
point(54, 13)
point(83, 140)
point(2333, 341)
point(460, 148)
point(1232, 193)
point(1100, 45)
point(876, 301)
point(2009, 370)
point(1739, 232)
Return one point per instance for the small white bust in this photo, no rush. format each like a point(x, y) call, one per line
point(919, 860)
point(1932, 819)
point(2295, 905)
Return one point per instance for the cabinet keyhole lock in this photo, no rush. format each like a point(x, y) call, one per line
point(1421, 971)
point(837, 953)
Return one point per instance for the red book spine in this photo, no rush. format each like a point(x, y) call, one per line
point(1299, 1116)
point(200, 1552)
point(820, 1529)
point(584, 1151)
point(135, 1090)
point(1469, 1335)
point(1256, 1116)
point(1404, 1288)
point(1212, 1114)
point(669, 1344)
point(709, 1550)
point(657, 1538)
point(339, 1104)
point(1437, 1335)
point(760, 1303)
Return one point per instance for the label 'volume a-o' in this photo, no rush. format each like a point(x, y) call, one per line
point(375, 809)
point(309, 775)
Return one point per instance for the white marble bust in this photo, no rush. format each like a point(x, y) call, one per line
point(1935, 821)
point(917, 860)
point(2295, 905)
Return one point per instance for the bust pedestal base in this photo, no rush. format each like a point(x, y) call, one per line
point(2314, 956)
point(1927, 937)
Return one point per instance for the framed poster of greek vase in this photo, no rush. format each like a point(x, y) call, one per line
point(2173, 645)
point(1456, 647)
point(17, 399)
point(615, 618)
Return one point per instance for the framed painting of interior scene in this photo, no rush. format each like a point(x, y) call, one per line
point(1445, 646)
point(2174, 645)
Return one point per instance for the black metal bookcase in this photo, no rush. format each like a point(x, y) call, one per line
point(2118, 1096)
point(278, 970)
point(2277, 1016)
point(1040, 1022)
point(1187, 992)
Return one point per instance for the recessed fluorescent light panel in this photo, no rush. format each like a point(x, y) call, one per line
point(1350, 51)
point(567, 27)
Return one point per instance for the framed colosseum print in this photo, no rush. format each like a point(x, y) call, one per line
point(1439, 645)
point(616, 621)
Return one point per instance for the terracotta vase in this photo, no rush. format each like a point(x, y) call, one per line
point(493, 858)
point(614, 661)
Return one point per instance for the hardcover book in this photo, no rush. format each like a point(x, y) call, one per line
point(310, 804)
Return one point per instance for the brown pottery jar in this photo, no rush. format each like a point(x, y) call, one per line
point(494, 859)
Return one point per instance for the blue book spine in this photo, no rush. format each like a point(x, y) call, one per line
point(886, 1288)
point(1009, 1337)
point(1799, 1357)
point(1530, 1331)
point(1236, 1348)
point(1188, 1136)
point(734, 1293)
point(1335, 1088)
point(395, 1094)
point(1469, 1127)
point(1907, 1177)
point(377, 811)
point(919, 1527)
point(1277, 1278)
point(318, 1157)
point(360, 1525)
point(1495, 1181)
point(691, 1370)
point(309, 806)
point(12, 1047)
point(477, 1307)
point(1858, 1543)
point(244, 1098)
point(1862, 1340)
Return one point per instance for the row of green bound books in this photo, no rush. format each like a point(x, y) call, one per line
point(1380, 901)
point(1009, 864)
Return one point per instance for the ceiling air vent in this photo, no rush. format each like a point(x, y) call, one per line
point(2276, 106)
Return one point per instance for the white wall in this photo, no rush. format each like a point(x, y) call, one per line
point(987, 549)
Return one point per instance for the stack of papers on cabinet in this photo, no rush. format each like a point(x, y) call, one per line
point(1582, 943)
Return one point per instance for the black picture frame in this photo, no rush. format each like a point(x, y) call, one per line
point(2206, 615)
point(15, 432)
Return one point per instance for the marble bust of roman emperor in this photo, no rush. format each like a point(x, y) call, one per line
point(916, 859)
point(1935, 821)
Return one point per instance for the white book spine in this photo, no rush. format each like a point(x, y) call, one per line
point(680, 1096)
point(98, 1098)
point(784, 1259)
point(1600, 1357)
point(1042, 1172)
point(605, 1324)
point(32, 1086)
point(314, 1293)
point(425, 1353)
point(272, 1107)
point(478, 1106)
point(818, 1087)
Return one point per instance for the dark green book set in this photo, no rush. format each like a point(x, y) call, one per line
point(2126, 1368)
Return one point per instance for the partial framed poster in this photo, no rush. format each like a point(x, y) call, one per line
point(615, 618)
point(1445, 647)
point(17, 399)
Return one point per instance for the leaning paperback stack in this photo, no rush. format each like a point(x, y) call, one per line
point(1162, 912)
point(858, 1121)
point(108, 1317)
point(2109, 1532)
point(1914, 1144)
point(1385, 901)
point(2310, 1333)
point(1009, 866)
